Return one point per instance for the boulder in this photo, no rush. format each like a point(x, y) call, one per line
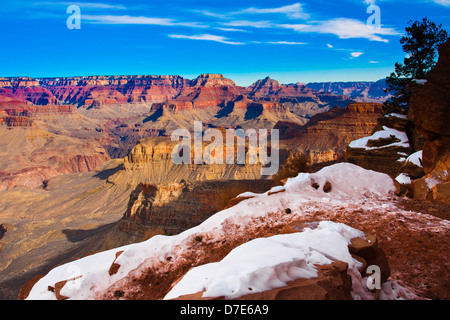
point(441, 192)
point(368, 250)
point(420, 190)
point(412, 170)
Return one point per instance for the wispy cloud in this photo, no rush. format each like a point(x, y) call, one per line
point(286, 42)
point(231, 29)
point(247, 23)
point(445, 3)
point(95, 5)
point(344, 28)
point(293, 11)
point(205, 37)
point(212, 14)
point(113, 19)
point(91, 5)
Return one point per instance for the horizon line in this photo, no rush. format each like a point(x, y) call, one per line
point(184, 77)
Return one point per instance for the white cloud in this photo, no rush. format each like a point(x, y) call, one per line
point(205, 37)
point(231, 29)
point(247, 23)
point(286, 42)
point(112, 19)
point(95, 5)
point(212, 14)
point(344, 28)
point(293, 11)
point(445, 3)
point(356, 54)
point(90, 5)
point(374, 62)
point(329, 46)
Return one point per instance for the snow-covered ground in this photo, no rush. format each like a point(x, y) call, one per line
point(260, 259)
point(268, 263)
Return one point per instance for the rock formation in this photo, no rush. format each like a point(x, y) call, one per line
point(386, 150)
point(429, 111)
point(31, 154)
point(172, 208)
point(325, 137)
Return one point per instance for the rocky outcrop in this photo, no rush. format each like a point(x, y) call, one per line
point(17, 121)
point(37, 111)
point(429, 110)
point(172, 208)
point(386, 149)
point(325, 137)
point(30, 92)
point(31, 155)
point(35, 175)
point(265, 87)
point(209, 90)
point(154, 156)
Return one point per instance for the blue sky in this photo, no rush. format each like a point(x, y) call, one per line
point(290, 41)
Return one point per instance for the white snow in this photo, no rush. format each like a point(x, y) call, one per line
point(350, 184)
point(267, 263)
point(397, 115)
point(382, 134)
point(431, 182)
point(348, 181)
point(277, 189)
point(416, 158)
point(403, 178)
point(420, 81)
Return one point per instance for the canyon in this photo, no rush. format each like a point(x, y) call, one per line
point(85, 167)
point(105, 117)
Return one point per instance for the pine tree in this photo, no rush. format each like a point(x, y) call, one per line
point(421, 45)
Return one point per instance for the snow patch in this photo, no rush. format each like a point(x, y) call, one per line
point(403, 178)
point(386, 133)
point(416, 158)
point(420, 81)
point(268, 263)
point(431, 182)
point(397, 115)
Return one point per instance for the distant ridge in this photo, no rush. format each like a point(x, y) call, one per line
point(361, 91)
